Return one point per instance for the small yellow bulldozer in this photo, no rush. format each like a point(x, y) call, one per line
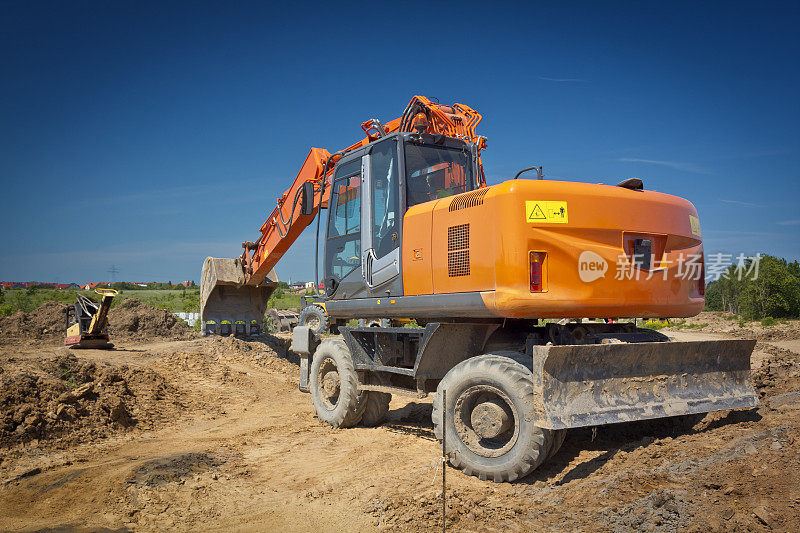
point(87, 321)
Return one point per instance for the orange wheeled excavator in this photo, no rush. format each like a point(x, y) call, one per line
point(500, 280)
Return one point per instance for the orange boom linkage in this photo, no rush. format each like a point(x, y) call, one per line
point(287, 221)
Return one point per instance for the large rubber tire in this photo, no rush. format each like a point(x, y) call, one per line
point(316, 317)
point(527, 361)
point(502, 379)
point(376, 405)
point(338, 404)
point(558, 439)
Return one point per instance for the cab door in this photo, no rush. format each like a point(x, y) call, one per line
point(381, 219)
point(343, 275)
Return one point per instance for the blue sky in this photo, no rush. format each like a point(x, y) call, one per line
point(149, 135)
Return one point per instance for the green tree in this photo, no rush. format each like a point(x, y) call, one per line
point(774, 291)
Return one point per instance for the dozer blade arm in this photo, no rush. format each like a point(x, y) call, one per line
point(100, 318)
point(596, 384)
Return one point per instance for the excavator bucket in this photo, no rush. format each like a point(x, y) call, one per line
point(227, 305)
point(591, 385)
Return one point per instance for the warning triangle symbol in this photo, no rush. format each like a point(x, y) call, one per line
point(537, 214)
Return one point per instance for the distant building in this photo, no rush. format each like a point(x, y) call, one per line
point(309, 285)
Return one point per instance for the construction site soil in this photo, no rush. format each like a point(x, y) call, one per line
point(173, 431)
point(129, 319)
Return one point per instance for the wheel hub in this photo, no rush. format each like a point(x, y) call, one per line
point(485, 420)
point(330, 384)
point(489, 419)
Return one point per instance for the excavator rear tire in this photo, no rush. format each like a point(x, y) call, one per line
point(315, 317)
point(376, 408)
point(490, 434)
point(376, 404)
point(527, 362)
point(558, 439)
point(333, 384)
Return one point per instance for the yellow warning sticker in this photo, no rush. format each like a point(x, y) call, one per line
point(694, 222)
point(546, 212)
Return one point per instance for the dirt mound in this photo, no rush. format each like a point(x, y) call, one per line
point(133, 319)
point(267, 351)
point(74, 400)
point(45, 322)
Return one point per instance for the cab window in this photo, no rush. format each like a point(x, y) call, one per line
point(436, 172)
point(343, 250)
point(384, 197)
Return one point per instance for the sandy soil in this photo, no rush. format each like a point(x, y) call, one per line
point(229, 442)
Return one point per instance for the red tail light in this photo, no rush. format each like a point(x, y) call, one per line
point(537, 258)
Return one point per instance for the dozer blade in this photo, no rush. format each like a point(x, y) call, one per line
point(98, 342)
point(596, 384)
point(225, 298)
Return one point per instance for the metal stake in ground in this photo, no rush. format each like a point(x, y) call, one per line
point(444, 456)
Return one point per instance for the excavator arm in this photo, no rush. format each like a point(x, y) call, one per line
point(237, 290)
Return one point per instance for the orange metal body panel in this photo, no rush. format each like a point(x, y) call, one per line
point(417, 260)
point(602, 219)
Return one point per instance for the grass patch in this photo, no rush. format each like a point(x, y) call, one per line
point(174, 301)
point(655, 323)
point(285, 301)
point(768, 321)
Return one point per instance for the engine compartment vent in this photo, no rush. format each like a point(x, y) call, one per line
point(469, 199)
point(458, 250)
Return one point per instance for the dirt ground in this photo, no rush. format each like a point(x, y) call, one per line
point(172, 431)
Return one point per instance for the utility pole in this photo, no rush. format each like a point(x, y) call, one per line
point(113, 271)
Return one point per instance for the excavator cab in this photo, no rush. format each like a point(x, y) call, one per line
point(372, 189)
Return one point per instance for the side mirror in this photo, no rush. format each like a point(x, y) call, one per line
point(307, 200)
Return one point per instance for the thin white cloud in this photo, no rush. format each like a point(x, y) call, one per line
point(789, 222)
point(677, 165)
point(562, 80)
point(738, 202)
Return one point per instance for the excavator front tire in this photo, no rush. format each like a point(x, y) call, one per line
point(333, 384)
point(490, 434)
point(315, 317)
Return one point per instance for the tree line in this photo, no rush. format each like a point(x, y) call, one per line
point(770, 290)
